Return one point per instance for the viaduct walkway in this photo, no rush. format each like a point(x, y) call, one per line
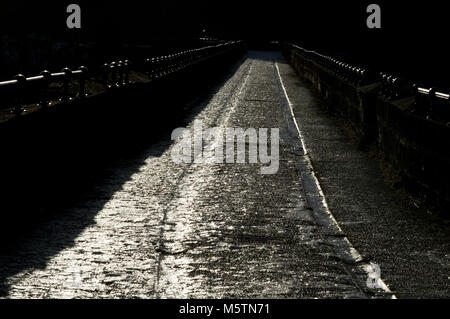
point(317, 228)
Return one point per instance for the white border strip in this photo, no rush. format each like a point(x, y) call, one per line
point(353, 252)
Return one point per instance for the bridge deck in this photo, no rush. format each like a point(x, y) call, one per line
point(226, 230)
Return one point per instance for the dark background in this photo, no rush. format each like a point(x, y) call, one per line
point(413, 41)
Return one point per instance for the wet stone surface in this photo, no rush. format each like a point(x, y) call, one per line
point(156, 229)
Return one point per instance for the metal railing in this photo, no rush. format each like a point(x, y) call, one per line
point(164, 65)
point(61, 86)
point(350, 73)
point(431, 103)
point(115, 74)
point(14, 92)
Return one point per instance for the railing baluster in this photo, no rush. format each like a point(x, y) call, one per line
point(46, 81)
point(67, 80)
point(21, 82)
point(82, 81)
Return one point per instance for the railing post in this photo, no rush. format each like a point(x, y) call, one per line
point(120, 73)
point(384, 85)
point(82, 81)
point(21, 82)
point(147, 67)
point(127, 72)
point(67, 79)
point(421, 106)
point(105, 71)
point(156, 66)
point(46, 82)
point(416, 106)
point(432, 101)
point(113, 68)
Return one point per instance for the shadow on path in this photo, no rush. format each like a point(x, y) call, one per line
point(64, 195)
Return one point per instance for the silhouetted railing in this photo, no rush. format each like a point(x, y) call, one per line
point(348, 72)
point(116, 74)
point(17, 93)
point(161, 66)
point(431, 103)
point(71, 84)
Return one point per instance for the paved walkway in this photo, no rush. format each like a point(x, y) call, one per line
point(156, 229)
